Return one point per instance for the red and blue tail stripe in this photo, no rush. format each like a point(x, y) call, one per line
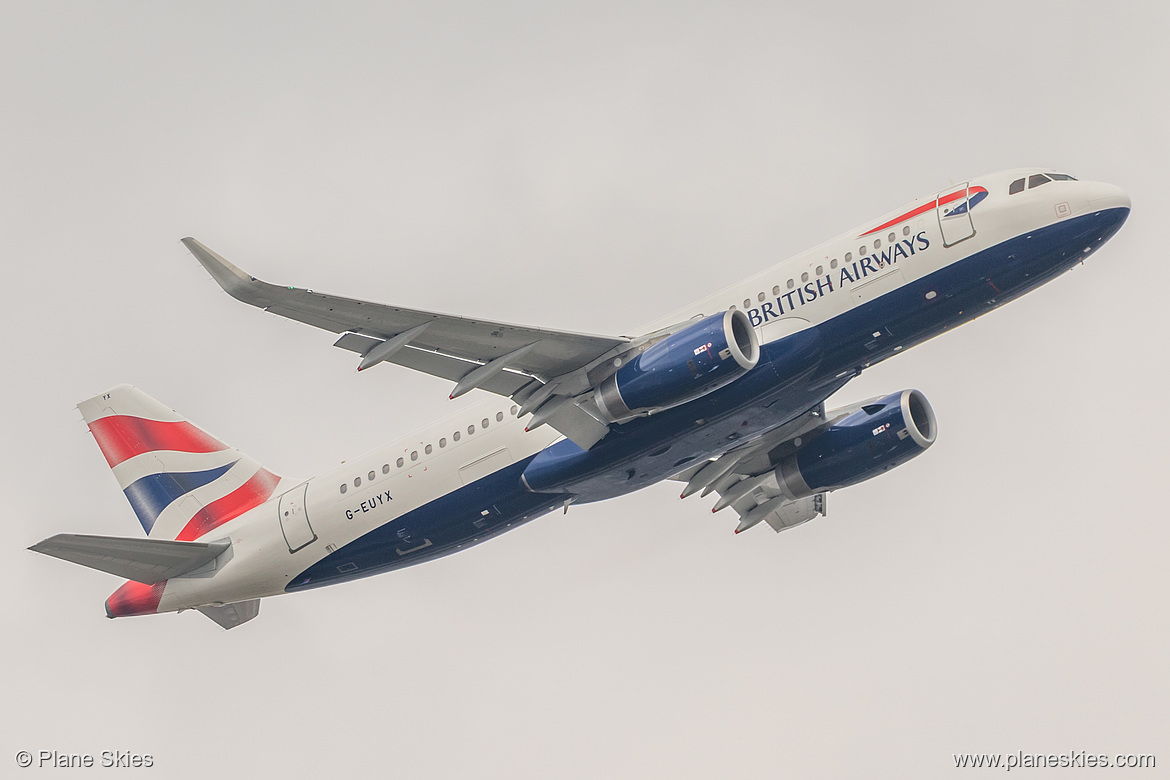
point(122, 437)
point(251, 494)
point(181, 482)
point(151, 494)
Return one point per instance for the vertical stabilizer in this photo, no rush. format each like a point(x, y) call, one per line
point(181, 482)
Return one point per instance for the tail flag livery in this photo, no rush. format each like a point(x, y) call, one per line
point(181, 482)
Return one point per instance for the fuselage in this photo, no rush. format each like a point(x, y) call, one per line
point(822, 317)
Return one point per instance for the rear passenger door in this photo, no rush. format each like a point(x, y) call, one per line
point(294, 519)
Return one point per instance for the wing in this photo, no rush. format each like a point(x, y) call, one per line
point(777, 510)
point(747, 478)
point(546, 371)
point(744, 479)
point(440, 344)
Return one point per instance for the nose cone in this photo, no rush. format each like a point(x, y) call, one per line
point(1103, 197)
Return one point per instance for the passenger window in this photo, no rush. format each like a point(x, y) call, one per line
point(371, 476)
point(414, 454)
point(385, 468)
point(514, 410)
point(877, 244)
point(861, 251)
point(499, 416)
point(442, 442)
point(1017, 186)
point(776, 290)
point(804, 277)
point(357, 481)
point(455, 436)
point(483, 423)
point(400, 463)
point(747, 303)
point(791, 284)
point(344, 487)
point(1036, 179)
point(820, 270)
point(470, 429)
point(429, 449)
point(905, 230)
point(893, 237)
point(833, 264)
point(848, 257)
point(760, 297)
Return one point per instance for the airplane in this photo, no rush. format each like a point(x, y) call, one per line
point(726, 395)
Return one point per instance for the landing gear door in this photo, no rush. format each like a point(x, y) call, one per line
point(294, 519)
point(954, 215)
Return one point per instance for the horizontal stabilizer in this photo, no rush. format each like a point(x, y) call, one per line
point(148, 561)
point(232, 615)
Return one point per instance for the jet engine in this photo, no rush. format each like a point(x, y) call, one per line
point(863, 444)
point(686, 365)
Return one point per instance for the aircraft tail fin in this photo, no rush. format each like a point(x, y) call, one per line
point(181, 482)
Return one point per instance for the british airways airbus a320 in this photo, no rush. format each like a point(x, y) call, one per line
point(726, 395)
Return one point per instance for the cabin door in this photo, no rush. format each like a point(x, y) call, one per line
point(294, 519)
point(954, 215)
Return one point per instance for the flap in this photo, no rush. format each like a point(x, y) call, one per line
point(504, 383)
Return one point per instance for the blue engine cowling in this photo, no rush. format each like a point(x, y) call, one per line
point(868, 442)
point(684, 366)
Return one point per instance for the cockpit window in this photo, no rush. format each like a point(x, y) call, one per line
point(1036, 179)
point(1017, 186)
point(1060, 177)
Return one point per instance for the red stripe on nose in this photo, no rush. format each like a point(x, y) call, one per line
point(929, 205)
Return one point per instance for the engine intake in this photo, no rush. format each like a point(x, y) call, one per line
point(684, 366)
point(870, 441)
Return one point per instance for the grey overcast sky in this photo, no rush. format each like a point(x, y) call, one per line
point(585, 167)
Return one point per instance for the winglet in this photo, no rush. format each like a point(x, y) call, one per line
point(237, 283)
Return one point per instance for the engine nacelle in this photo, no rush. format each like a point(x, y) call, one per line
point(868, 442)
point(684, 366)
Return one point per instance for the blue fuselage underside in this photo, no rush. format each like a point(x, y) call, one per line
point(793, 375)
